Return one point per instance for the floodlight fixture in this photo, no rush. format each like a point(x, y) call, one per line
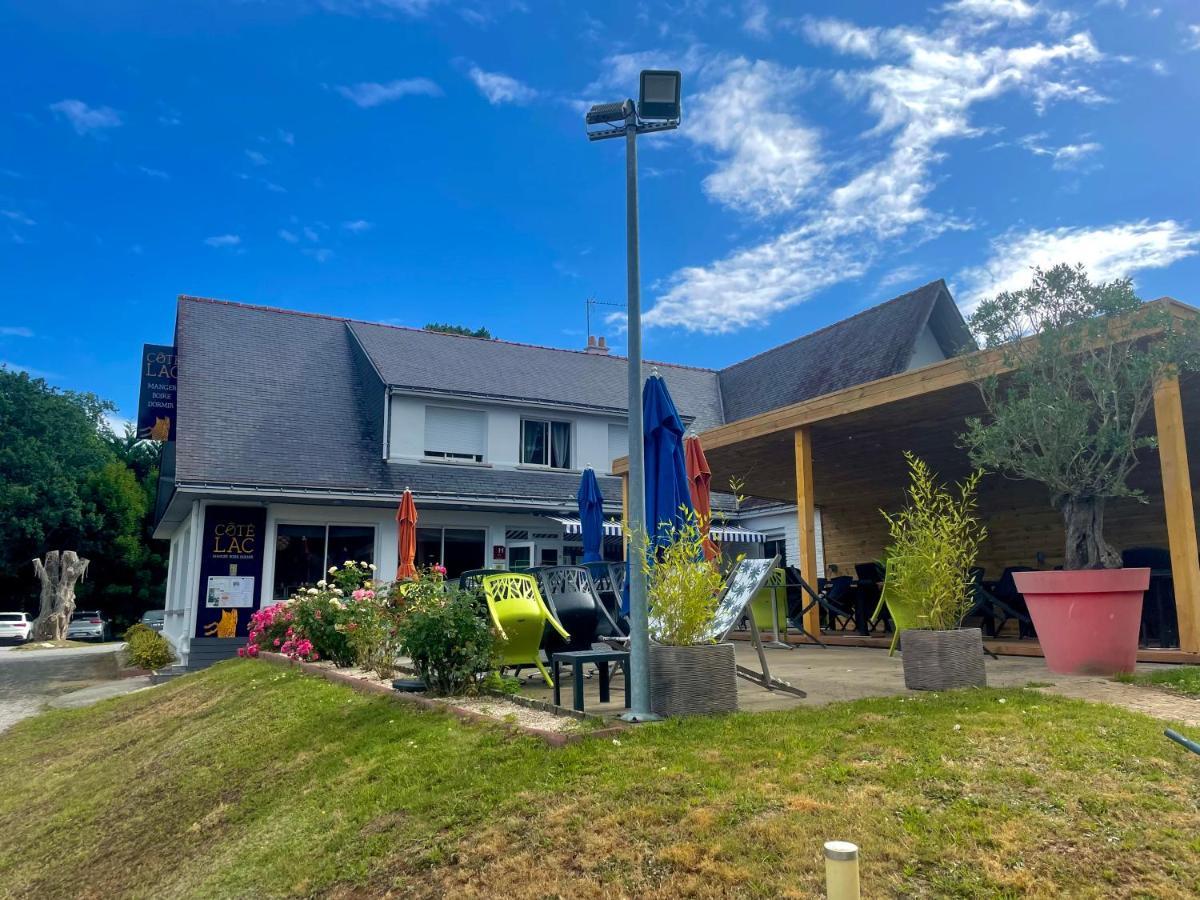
point(659, 97)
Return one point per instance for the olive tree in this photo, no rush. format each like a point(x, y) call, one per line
point(1083, 361)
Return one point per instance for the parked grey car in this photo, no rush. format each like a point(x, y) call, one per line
point(154, 618)
point(88, 625)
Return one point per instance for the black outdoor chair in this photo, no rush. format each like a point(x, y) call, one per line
point(1006, 598)
point(866, 599)
point(837, 602)
point(608, 580)
point(993, 612)
point(568, 592)
point(1160, 622)
point(472, 579)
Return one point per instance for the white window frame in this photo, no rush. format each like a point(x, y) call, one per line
point(450, 455)
point(549, 423)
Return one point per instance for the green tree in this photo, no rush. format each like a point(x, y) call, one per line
point(1085, 359)
point(64, 486)
point(446, 328)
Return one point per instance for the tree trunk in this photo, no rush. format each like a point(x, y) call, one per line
point(58, 574)
point(1086, 547)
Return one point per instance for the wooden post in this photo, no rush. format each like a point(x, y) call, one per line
point(1181, 514)
point(806, 520)
point(625, 516)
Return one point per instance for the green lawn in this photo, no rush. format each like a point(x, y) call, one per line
point(1184, 680)
point(249, 780)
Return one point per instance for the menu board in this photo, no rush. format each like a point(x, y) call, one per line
point(229, 591)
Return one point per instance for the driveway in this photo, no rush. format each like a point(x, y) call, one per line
point(31, 679)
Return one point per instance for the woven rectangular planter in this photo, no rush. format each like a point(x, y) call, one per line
point(693, 681)
point(942, 660)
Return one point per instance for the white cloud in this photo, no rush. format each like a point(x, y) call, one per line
point(153, 173)
point(86, 119)
point(257, 158)
point(1068, 156)
point(755, 22)
point(373, 93)
point(1192, 38)
point(311, 234)
point(28, 370)
point(843, 214)
point(320, 254)
point(357, 226)
point(223, 240)
point(411, 8)
point(1010, 10)
point(289, 236)
point(15, 215)
point(907, 275)
point(286, 137)
point(1107, 252)
point(15, 331)
point(768, 160)
point(499, 88)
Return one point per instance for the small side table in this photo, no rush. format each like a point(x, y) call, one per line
point(576, 658)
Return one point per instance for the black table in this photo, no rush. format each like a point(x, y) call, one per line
point(577, 658)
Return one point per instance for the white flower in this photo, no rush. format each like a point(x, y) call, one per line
point(337, 591)
point(313, 591)
point(349, 564)
point(616, 743)
point(371, 566)
point(957, 727)
point(332, 569)
point(321, 583)
point(338, 603)
point(1002, 700)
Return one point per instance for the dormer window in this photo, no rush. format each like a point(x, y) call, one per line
point(546, 443)
point(455, 434)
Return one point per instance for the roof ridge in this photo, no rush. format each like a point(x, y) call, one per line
point(807, 335)
point(352, 321)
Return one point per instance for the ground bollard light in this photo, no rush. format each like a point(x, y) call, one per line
point(841, 871)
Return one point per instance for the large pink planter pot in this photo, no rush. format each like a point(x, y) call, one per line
point(1087, 621)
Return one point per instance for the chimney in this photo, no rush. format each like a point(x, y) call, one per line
point(597, 346)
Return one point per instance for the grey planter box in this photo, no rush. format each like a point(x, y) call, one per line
point(942, 660)
point(693, 681)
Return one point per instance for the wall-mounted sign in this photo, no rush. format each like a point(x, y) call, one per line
point(499, 551)
point(156, 400)
point(231, 565)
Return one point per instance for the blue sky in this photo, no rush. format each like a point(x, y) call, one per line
point(417, 160)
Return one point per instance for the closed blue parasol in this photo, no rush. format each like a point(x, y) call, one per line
point(591, 515)
point(668, 492)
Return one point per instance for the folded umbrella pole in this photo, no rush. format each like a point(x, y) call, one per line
point(406, 519)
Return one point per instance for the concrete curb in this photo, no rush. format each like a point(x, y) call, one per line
point(552, 738)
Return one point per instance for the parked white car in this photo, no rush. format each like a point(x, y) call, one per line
point(15, 626)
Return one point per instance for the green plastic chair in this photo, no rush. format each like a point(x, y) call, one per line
point(519, 615)
point(760, 606)
point(903, 616)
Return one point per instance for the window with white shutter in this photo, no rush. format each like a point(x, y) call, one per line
point(618, 443)
point(455, 433)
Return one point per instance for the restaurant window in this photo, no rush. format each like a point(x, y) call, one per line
point(459, 434)
point(304, 553)
point(546, 443)
point(458, 549)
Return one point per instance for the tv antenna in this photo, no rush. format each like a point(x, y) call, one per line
point(588, 304)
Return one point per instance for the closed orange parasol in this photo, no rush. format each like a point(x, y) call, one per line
point(406, 516)
point(699, 483)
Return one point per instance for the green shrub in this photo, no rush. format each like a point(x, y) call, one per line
point(449, 643)
point(136, 628)
point(682, 587)
point(147, 649)
point(935, 540)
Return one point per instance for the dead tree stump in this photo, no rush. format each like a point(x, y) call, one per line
point(58, 573)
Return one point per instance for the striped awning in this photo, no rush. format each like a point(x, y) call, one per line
point(612, 528)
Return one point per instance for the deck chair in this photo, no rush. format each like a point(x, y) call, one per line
point(608, 580)
point(838, 602)
point(773, 594)
point(743, 584)
point(520, 616)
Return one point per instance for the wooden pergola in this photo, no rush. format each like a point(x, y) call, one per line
point(842, 453)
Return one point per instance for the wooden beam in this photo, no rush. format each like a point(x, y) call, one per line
point(1181, 514)
point(939, 376)
point(806, 520)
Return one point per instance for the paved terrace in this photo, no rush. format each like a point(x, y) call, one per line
point(851, 673)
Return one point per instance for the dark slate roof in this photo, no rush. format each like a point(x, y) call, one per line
point(428, 361)
point(875, 343)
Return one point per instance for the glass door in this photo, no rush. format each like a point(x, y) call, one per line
point(520, 556)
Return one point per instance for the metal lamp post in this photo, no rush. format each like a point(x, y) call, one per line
point(658, 109)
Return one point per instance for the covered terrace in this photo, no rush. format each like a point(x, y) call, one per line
point(842, 453)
